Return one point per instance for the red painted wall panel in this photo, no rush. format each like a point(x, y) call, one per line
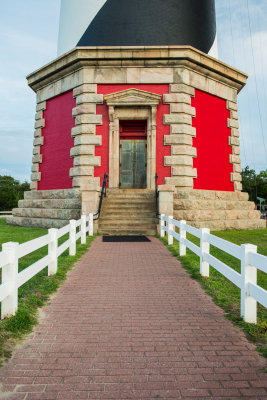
point(211, 142)
point(57, 162)
point(162, 130)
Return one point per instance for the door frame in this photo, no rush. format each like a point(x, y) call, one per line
point(132, 104)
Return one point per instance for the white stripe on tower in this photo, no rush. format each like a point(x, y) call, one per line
point(75, 16)
point(214, 49)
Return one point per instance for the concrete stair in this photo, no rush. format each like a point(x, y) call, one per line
point(128, 212)
point(47, 208)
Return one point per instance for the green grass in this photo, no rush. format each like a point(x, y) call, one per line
point(34, 293)
point(224, 293)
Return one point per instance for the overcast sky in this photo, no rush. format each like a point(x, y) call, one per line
point(29, 30)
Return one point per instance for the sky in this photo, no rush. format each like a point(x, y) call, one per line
point(29, 32)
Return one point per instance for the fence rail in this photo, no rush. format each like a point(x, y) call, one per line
point(251, 261)
point(12, 252)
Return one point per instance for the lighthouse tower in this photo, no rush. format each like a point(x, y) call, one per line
point(137, 92)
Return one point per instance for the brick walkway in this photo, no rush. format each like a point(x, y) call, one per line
point(131, 324)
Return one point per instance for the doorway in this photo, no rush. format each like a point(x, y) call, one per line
point(133, 154)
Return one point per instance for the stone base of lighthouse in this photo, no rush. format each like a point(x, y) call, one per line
point(132, 113)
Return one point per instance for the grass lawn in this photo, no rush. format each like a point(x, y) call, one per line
point(34, 293)
point(223, 292)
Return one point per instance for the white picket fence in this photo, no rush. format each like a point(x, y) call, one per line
point(251, 293)
point(12, 252)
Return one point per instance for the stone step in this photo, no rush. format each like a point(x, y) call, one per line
point(141, 200)
point(124, 225)
point(206, 215)
point(132, 213)
point(129, 220)
point(127, 232)
point(53, 194)
point(130, 196)
point(133, 191)
point(46, 213)
point(188, 204)
point(209, 195)
point(51, 203)
point(221, 225)
point(46, 223)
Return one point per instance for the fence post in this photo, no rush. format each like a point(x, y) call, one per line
point(72, 249)
point(52, 251)
point(204, 248)
point(83, 229)
point(9, 276)
point(248, 275)
point(170, 228)
point(91, 224)
point(162, 224)
point(182, 247)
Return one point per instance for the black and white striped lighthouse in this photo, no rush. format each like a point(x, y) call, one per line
point(138, 23)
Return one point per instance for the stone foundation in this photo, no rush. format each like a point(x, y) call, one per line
point(47, 208)
point(216, 210)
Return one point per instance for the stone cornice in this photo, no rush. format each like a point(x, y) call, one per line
point(135, 56)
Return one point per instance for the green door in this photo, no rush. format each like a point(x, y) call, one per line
point(133, 163)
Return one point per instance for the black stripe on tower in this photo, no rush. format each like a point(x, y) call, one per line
point(153, 23)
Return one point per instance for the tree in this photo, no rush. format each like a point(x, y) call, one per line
point(11, 191)
point(254, 184)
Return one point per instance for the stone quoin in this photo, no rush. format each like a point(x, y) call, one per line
point(132, 111)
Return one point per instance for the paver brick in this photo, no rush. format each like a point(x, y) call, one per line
point(129, 323)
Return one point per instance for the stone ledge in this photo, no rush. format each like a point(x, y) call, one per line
point(86, 88)
point(178, 149)
point(231, 105)
point(180, 118)
point(39, 124)
point(87, 108)
point(82, 171)
point(182, 129)
point(41, 106)
point(84, 149)
point(232, 123)
point(87, 160)
point(181, 181)
point(184, 171)
point(178, 160)
point(89, 98)
point(183, 108)
point(178, 139)
point(95, 140)
point(88, 119)
point(38, 141)
point(83, 129)
point(210, 195)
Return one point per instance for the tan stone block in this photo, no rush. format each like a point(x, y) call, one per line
point(183, 129)
point(34, 185)
point(39, 124)
point(82, 171)
point(183, 108)
point(231, 106)
point(83, 129)
point(88, 119)
point(87, 160)
point(238, 186)
point(36, 150)
point(234, 115)
point(178, 139)
point(236, 150)
point(82, 150)
point(89, 98)
point(88, 139)
point(232, 123)
point(171, 98)
point(235, 176)
point(180, 118)
point(133, 75)
point(181, 88)
point(87, 108)
point(184, 171)
point(235, 132)
point(36, 176)
point(234, 159)
point(81, 181)
point(38, 132)
point(37, 158)
point(38, 141)
point(181, 98)
point(237, 168)
point(86, 88)
point(39, 115)
point(180, 181)
point(110, 75)
point(158, 75)
point(178, 160)
point(88, 76)
point(233, 141)
point(183, 150)
point(41, 106)
point(35, 167)
point(243, 196)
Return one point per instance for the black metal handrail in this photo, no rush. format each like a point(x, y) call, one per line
point(103, 194)
point(157, 196)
